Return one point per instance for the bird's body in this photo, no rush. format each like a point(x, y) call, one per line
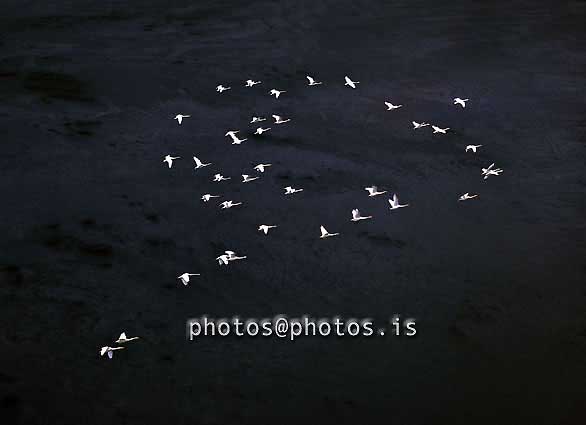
point(233, 257)
point(395, 203)
point(246, 178)
point(390, 106)
point(221, 88)
point(350, 83)
point(417, 125)
point(109, 351)
point(472, 148)
point(169, 160)
point(466, 196)
point(373, 191)
point(289, 190)
point(229, 204)
point(325, 233)
point(232, 135)
point(312, 81)
point(179, 118)
point(184, 278)
point(487, 172)
point(496, 172)
point(487, 169)
point(228, 256)
point(261, 130)
point(357, 217)
point(265, 228)
point(122, 339)
point(261, 167)
point(251, 83)
point(220, 178)
point(207, 197)
point(437, 129)
point(237, 141)
point(276, 93)
point(257, 119)
point(199, 164)
point(459, 101)
point(279, 119)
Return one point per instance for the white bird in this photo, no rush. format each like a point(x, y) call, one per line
point(246, 178)
point(250, 83)
point(373, 191)
point(472, 148)
point(122, 339)
point(237, 141)
point(199, 164)
point(289, 190)
point(220, 178)
point(458, 101)
point(179, 118)
point(390, 106)
point(257, 119)
point(487, 172)
point(169, 160)
point(357, 217)
point(261, 130)
point(350, 83)
point(109, 350)
point(229, 204)
point(279, 119)
point(496, 172)
point(325, 233)
point(233, 257)
point(417, 125)
point(232, 135)
point(439, 130)
point(184, 278)
point(312, 81)
point(222, 259)
point(207, 197)
point(261, 167)
point(466, 196)
point(276, 93)
point(395, 203)
point(221, 88)
point(265, 228)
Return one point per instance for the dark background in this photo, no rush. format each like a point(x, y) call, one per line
point(95, 228)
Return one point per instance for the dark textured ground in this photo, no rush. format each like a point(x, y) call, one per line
point(95, 228)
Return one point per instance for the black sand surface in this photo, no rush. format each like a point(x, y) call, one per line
point(95, 228)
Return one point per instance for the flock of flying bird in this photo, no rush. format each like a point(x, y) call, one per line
point(229, 256)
